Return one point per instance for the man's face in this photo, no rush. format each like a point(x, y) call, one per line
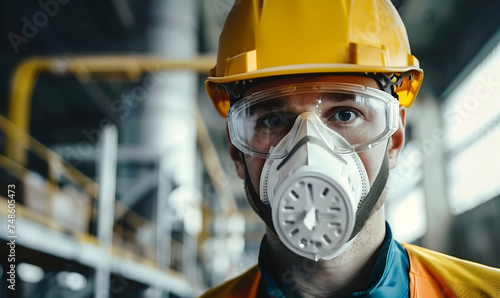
point(300, 103)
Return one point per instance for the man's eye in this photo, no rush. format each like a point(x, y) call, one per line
point(272, 120)
point(344, 115)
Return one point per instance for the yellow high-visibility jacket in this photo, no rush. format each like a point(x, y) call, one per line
point(432, 274)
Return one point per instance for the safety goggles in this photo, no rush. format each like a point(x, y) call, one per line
point(361, 117)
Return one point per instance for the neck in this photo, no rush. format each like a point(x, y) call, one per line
point(347, 273)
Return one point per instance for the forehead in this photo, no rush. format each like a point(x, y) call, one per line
point(352, 79)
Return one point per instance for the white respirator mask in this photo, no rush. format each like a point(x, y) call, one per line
point(313, 181)
point(314, 192)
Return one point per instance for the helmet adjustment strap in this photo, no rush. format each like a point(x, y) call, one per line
point(234, 89)
point(389, 83)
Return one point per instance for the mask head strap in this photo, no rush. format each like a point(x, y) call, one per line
point(254, 199)
point(367, 205)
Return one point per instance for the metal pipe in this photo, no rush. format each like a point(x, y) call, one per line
point(107, 180)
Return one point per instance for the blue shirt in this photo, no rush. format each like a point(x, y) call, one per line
point(389, 277)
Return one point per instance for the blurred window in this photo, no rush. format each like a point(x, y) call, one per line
point(471, 115)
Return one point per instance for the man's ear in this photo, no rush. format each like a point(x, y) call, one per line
point(236, 156)
point(397, 139)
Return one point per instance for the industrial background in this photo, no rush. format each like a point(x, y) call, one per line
point(123, 182)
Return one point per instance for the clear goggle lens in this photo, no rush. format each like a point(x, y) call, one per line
point(363, 116)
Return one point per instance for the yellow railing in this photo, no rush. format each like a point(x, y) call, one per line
point(83, 68)
point(40, 203)
point(105, 67)
point(19, 143)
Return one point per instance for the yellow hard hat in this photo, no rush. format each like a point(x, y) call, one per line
point(267, 38)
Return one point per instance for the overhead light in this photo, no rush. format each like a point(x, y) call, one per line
point(30, 273)
point(72, 280)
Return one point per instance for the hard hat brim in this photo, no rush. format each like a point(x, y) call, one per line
point(221, 99)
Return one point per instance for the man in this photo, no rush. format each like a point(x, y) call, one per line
point(315, 94)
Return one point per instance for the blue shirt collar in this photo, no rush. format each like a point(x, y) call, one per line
point(389, 277)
